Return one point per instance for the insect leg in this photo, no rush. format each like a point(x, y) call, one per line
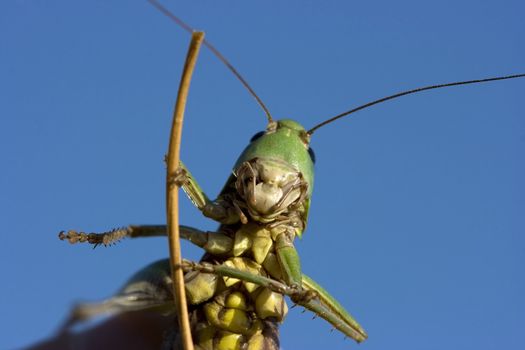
point(112, 236)
point(212, 242)
point(288, 260)
point(320, 309)
point(232, 272)
point(334, 306)
point(312, 297)
point(148, 289)
point(221, 209)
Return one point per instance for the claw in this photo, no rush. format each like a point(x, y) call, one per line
point(179, 177)
point(104, 238)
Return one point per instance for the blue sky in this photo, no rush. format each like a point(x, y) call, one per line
point(417, 221)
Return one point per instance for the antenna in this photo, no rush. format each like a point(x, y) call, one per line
point(408, 92)
point(216, 52)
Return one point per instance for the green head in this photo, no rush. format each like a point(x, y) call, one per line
point(287, 141)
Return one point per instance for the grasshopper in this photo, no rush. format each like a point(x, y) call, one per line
point(236, 291)
point(262, 207)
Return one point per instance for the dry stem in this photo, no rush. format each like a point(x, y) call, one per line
point(172, 193)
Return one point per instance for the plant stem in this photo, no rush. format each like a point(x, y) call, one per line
point(172, 193)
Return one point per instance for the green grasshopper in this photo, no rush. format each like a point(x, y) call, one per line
point(237, 291)
point(262, 207)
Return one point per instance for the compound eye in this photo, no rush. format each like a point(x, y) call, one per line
point(256, 136)
point(312, 154)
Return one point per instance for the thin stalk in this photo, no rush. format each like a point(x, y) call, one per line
point(172, 193)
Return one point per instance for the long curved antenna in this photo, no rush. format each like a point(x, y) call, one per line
point(408, 92)
point(216, 52)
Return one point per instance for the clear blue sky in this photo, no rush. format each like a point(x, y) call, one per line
point(417, 223)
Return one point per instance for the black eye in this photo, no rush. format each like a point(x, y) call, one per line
point(256, 136)
point(312, 154)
